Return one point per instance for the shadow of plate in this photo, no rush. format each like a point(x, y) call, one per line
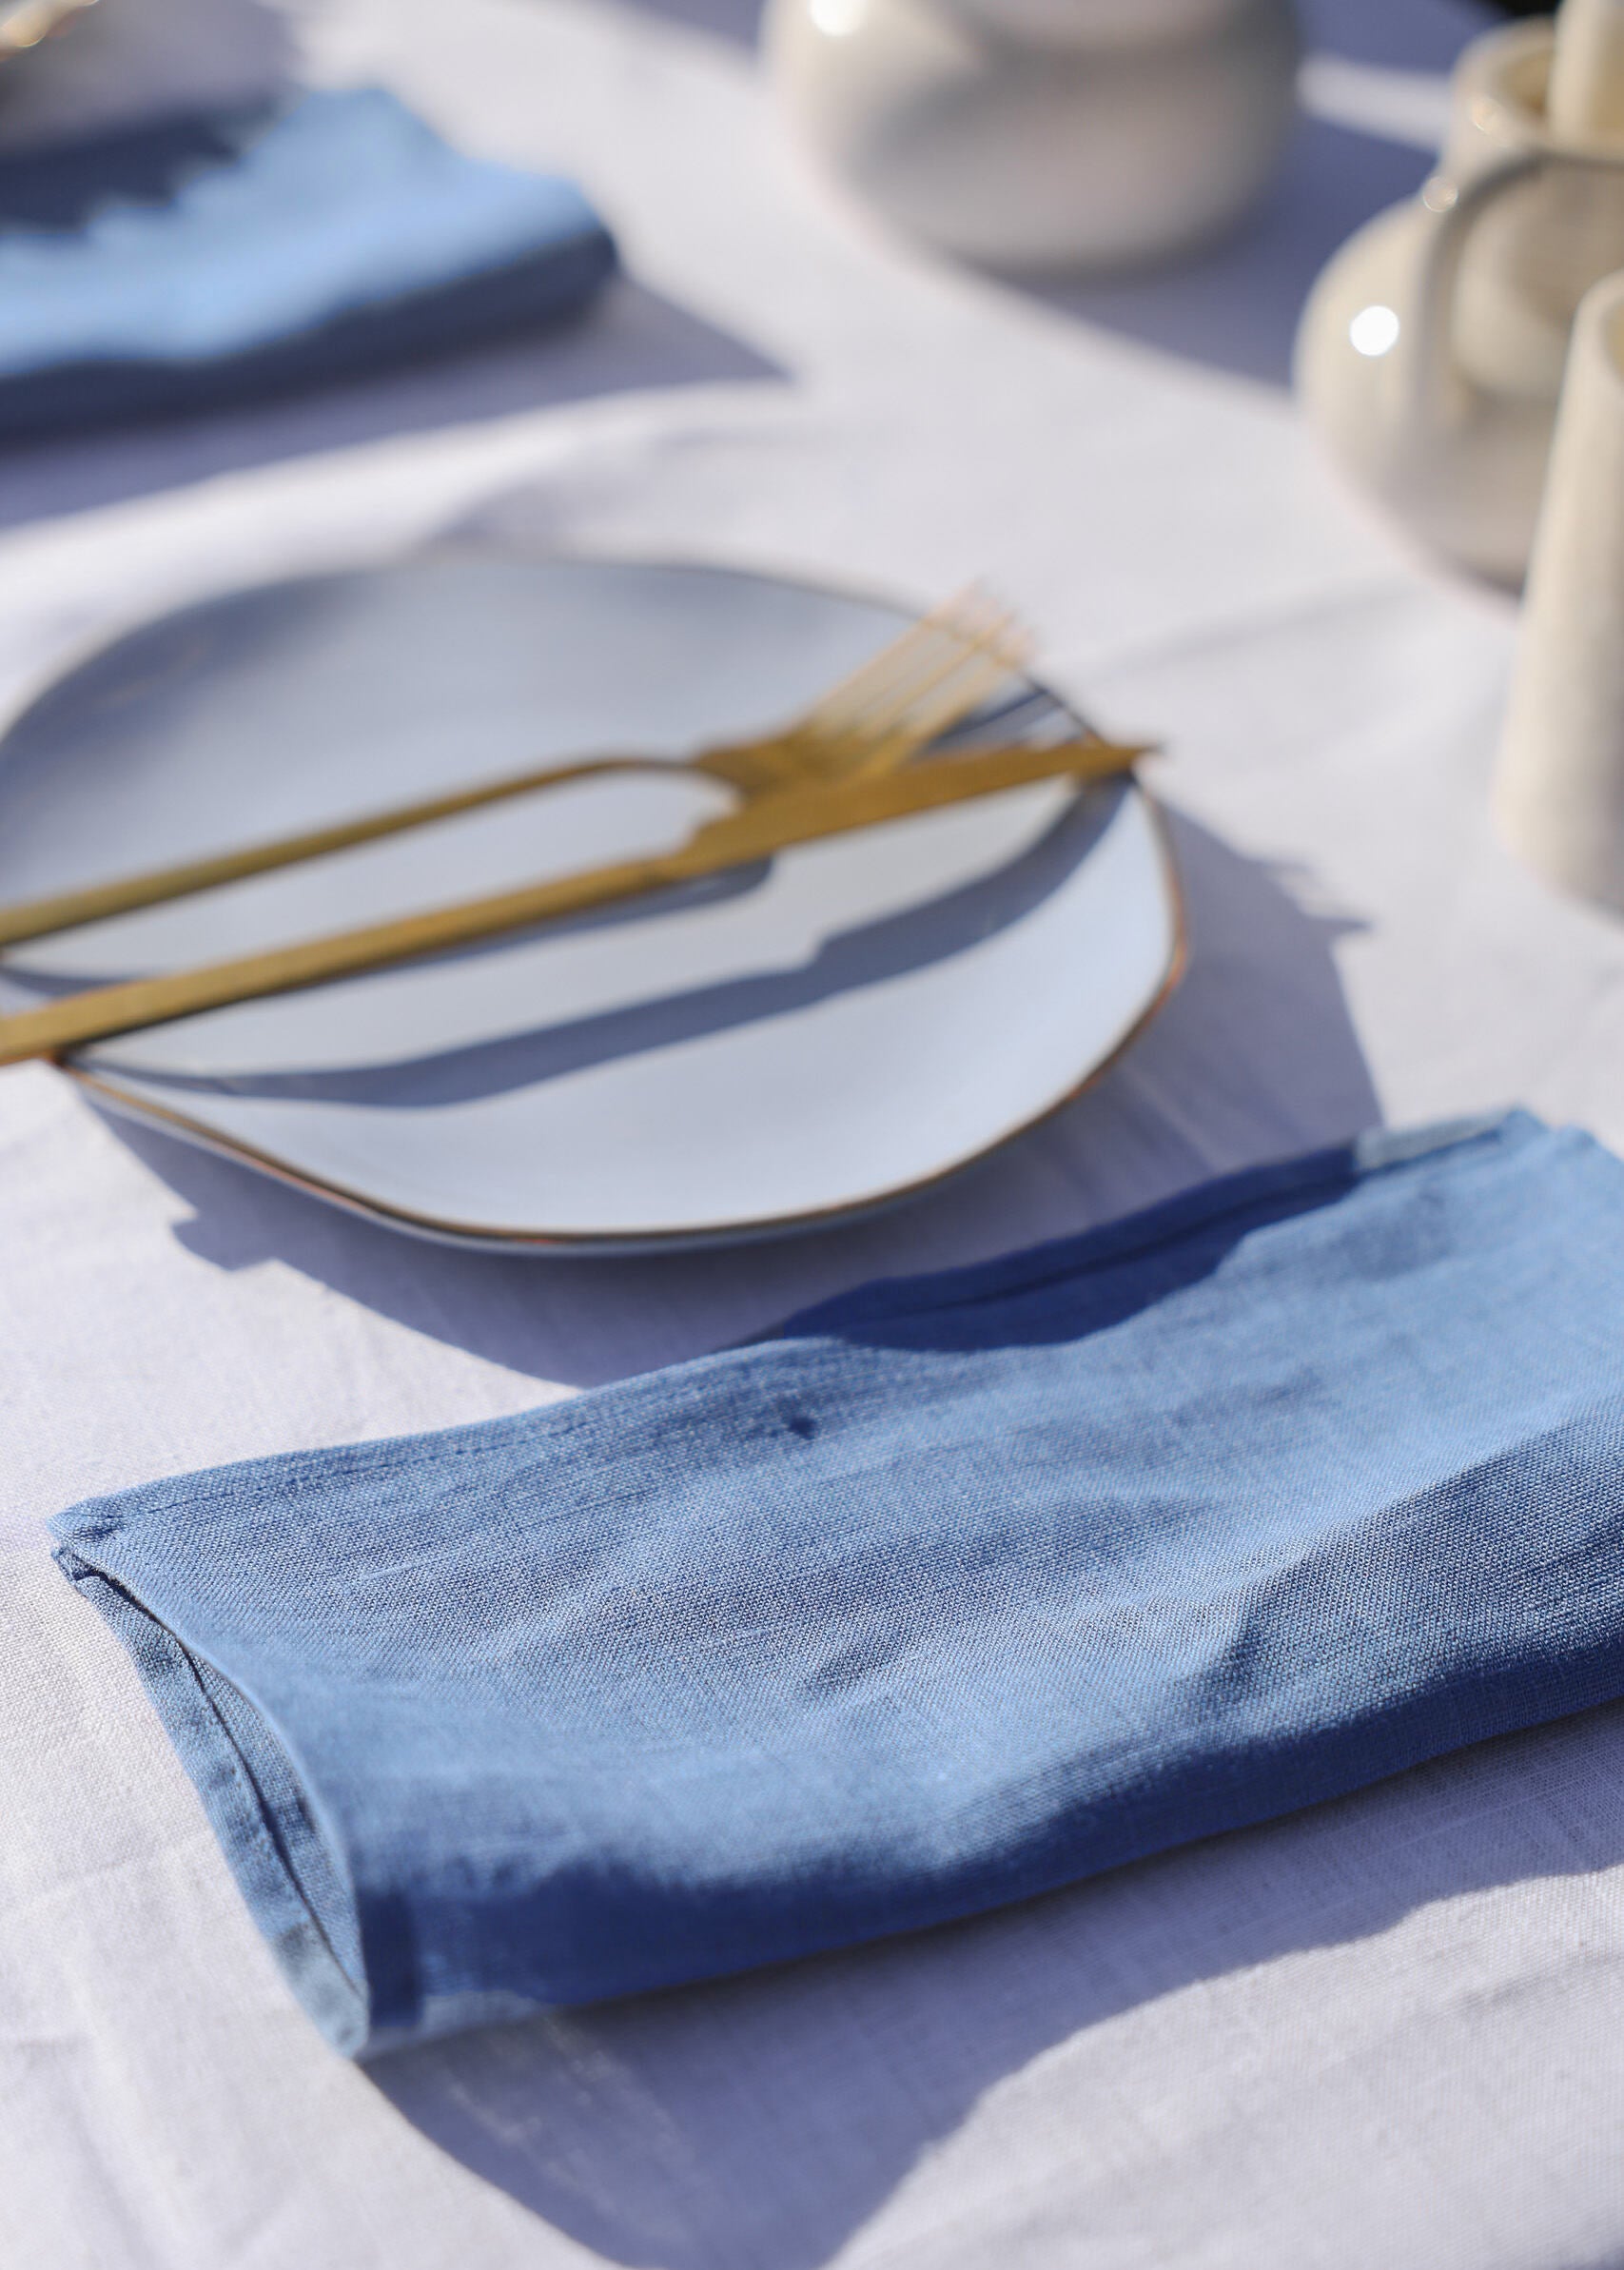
point(1255, 1056)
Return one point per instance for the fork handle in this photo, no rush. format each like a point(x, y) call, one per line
point(96, 902)
point(748, 766)
point(742, 765)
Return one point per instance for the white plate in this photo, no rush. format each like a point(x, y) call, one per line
point(781, 1047)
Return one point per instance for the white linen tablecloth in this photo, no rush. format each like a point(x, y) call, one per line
point(1389, 2032)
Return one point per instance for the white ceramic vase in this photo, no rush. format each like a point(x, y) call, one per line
point(1559, 791)
point(1431, 349)
point(1043, 134)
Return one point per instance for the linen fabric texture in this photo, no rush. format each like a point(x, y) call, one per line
point(963, 1588)
point(219, 257)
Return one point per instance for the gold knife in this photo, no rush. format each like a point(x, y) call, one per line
point(766, 823)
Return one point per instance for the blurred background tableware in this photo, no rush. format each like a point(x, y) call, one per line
point(101, 66)
point(811, 1036)
point(1560, 793)
point(25, 24)
point(1042, 134)
point(1432, 350)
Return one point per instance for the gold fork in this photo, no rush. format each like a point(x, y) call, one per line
point(915, 689)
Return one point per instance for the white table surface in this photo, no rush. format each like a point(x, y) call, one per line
point(1384, 2035)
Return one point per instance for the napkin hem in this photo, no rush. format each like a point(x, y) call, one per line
point(251, 1828)
point(1128, 1236)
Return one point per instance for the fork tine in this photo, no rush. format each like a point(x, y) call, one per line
point(976, 676)
point(873, 721)
point(886, 732)
point(895, 658)
point(995, 648)
point(879, 691)
point(994, 632)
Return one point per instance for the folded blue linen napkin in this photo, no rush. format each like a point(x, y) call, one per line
point(213, 259)
point(960, 1590)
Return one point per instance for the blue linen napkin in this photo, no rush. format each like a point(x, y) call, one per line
point(213, 259)
point(962, 1589)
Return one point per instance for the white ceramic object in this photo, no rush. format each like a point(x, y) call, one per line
point(1043, 134)
point(775, 1050)
point(1431, 349)
point(1559, 791)
point(1586, 94)
point(130, 63)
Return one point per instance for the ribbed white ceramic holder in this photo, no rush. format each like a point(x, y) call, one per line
point(1431, 349)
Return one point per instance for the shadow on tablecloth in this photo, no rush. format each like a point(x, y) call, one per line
point(631, 339)
point(1255, 1057)
point(1238, 307)
point(759, 2123)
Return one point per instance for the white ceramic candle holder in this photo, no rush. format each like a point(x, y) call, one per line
point(1431, 352)
point(1559, 791)
point(1042, 134)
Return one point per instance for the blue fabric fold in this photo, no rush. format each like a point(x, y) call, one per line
point(961, 1589)
point(213, 259)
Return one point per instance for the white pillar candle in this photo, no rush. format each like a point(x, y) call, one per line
point(1560, 793)
point(1585, 103)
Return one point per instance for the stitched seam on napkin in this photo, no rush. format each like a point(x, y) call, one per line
point(1113, 1244)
